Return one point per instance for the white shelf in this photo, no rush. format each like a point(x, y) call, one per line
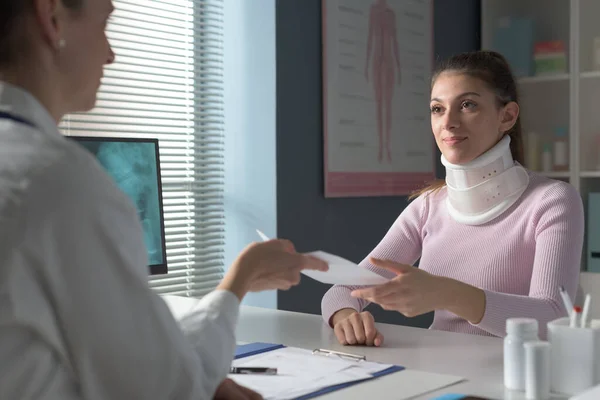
point(590, 174)
point(572, 99)
point(543, 78)
point(590, 75)
point(556, 174)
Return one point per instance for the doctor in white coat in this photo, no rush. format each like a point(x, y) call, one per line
point(77, 318)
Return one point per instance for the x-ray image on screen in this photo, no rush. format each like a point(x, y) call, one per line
point(134, 166)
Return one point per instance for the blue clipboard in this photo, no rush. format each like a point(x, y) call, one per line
point(250, 349)
point(456, 396)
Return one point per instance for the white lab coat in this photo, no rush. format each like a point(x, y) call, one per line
point(77, 318)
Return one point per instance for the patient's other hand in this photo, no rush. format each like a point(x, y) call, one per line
point(354, 328)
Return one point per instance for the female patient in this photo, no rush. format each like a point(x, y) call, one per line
point(494, 240)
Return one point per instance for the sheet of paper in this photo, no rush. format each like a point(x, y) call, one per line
point(300, 372)
point(291, 387)
point(343, 272)
point(357, 372)
point(291, 361)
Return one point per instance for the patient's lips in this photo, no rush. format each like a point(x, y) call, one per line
point(454, 140)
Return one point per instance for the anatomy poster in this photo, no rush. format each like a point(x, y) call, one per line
point(377, 62)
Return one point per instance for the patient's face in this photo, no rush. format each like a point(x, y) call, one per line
point(466, 119)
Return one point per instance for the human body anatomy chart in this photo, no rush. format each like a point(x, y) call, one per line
point(377, 61)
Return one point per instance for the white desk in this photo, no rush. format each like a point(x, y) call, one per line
point(477, 358)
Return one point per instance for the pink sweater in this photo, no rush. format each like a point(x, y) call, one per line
point(519, 259)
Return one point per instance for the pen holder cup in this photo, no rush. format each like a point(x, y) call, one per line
point(575, 357)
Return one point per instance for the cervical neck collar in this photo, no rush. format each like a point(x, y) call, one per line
point(484, 188)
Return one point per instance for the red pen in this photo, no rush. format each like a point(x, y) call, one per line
point(575, 321)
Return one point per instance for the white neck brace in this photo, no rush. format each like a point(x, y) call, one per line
point(484, 188)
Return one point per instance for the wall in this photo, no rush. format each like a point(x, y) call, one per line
point(349, 227)
point(590, 283)
point(250, 175)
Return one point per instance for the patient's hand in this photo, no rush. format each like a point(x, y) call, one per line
point(355, 328)
point(229, 390)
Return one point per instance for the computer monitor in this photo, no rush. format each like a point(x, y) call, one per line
point(134, 164)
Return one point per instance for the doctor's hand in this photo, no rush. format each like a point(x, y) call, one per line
point(354, 328)
point(229, 390)
point(274, 264)
point(412, 292)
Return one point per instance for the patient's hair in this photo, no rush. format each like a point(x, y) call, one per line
point(11, 18)
point(492, 69)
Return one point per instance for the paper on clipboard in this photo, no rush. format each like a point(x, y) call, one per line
point(300, 372)
point(341, 271)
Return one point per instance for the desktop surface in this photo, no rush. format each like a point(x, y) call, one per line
point(479, 359)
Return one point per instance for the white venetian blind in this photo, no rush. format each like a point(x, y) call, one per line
point(167, 83)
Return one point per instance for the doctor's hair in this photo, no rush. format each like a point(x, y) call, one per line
point(13, 40)
point(493, 70)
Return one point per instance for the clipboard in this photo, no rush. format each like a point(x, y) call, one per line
point(455, 396)
point(251, 349)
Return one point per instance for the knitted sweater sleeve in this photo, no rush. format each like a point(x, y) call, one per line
point(559, 230)
point(402, 243)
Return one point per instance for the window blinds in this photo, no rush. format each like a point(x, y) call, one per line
point(167, 83)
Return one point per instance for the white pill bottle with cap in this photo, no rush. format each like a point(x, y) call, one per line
point(518, 332)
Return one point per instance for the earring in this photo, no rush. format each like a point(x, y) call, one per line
point(62, 43)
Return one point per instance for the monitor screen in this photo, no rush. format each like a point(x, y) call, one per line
point(134, 165)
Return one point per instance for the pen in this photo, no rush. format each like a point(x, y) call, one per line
point(575, 320)
point(253, 370)
point(264, 237)
point(566, 300)
point(586, 311)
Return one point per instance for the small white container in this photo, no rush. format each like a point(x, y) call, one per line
point(561, 149)
point(596, 53)
point(547, 158)
point(533, 151)
point(575, 357)
point(519, 331)
point(537, 370)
